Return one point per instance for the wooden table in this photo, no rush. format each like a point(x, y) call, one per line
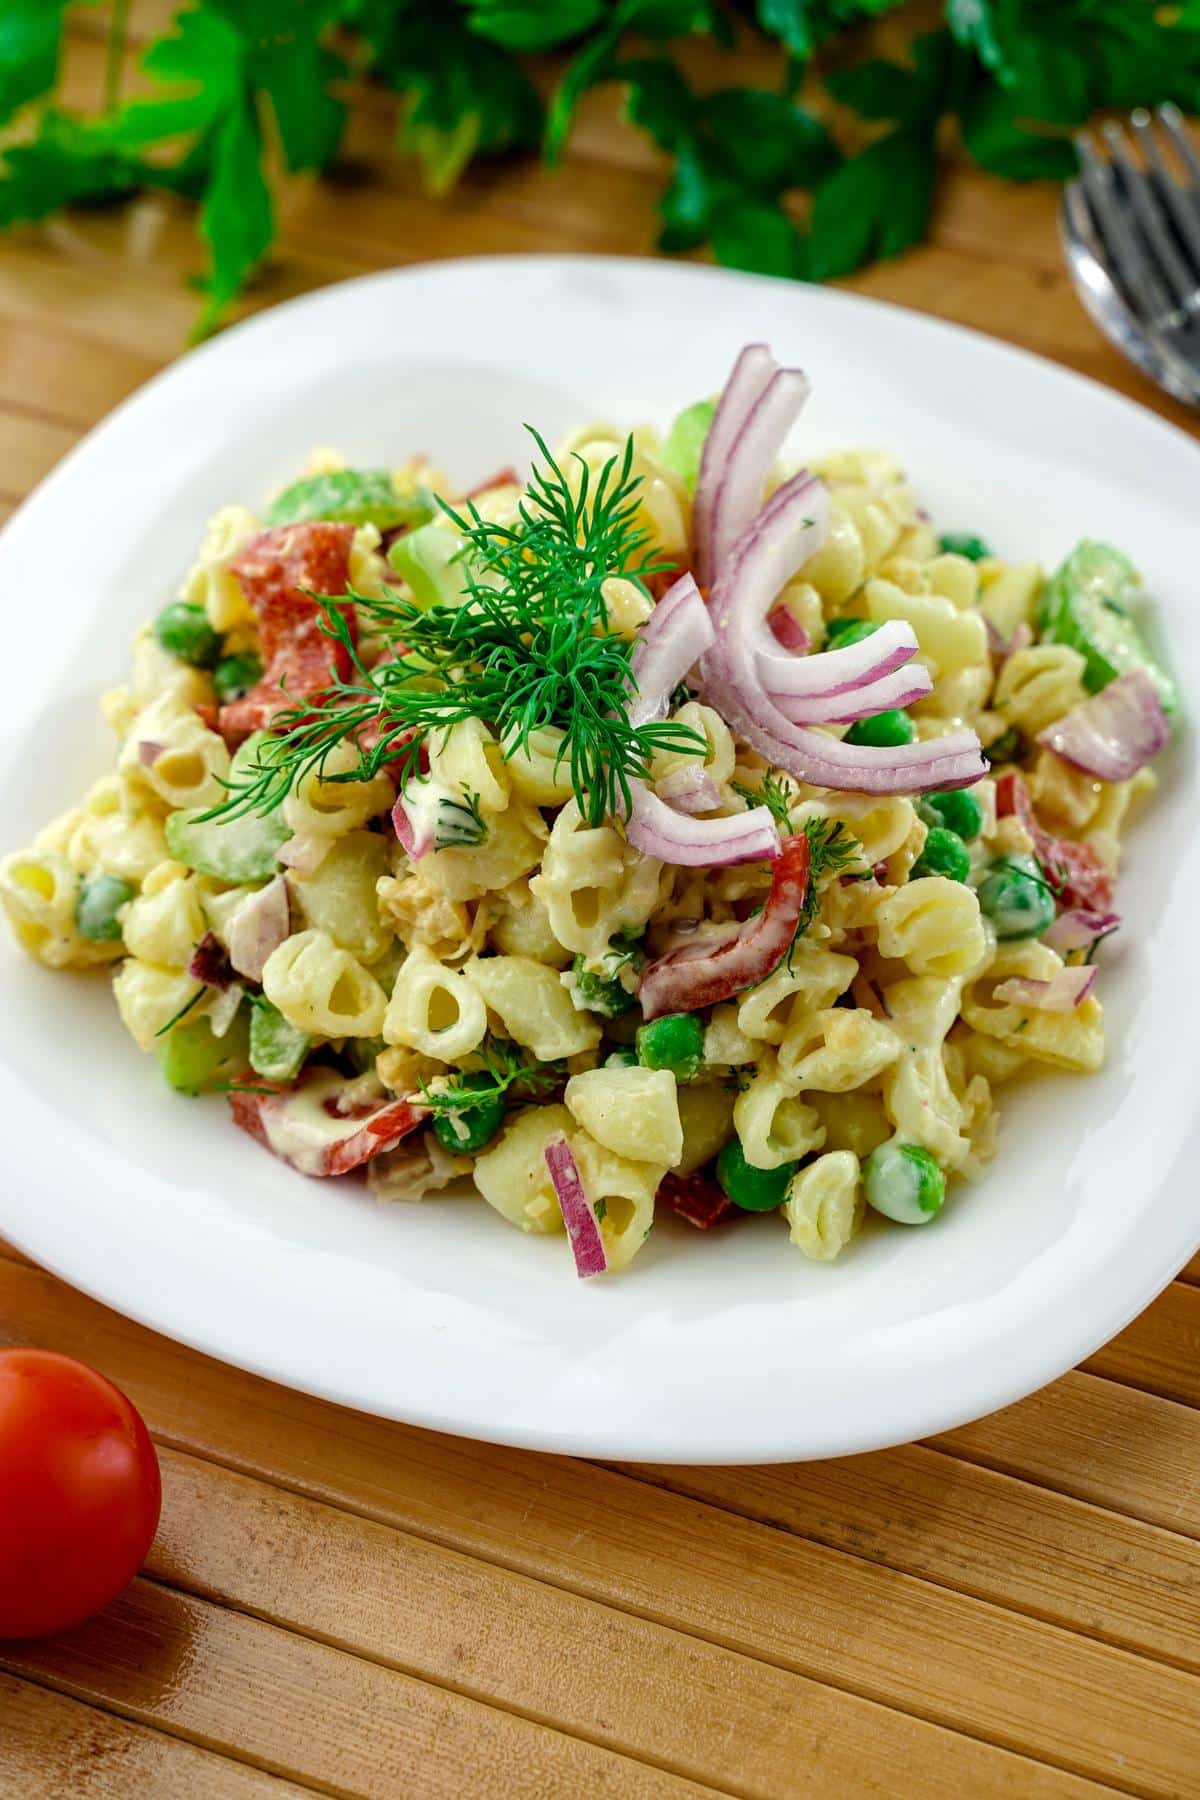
point(349, 1607)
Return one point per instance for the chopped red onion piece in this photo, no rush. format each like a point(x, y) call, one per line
point(696, 1198)
point(673, 837)
point(1115, 733)
point(259, 926)
point(690, 789)
point(675, 636)
point(787, 630)
point(579, 1215)
point(149, 752)
point(305, 852)
point(841, 671)
point(748, 378)
point(740, 491)
point(210, 964)
point(1079, 928)
point(1063, 992)
point(1073, 869)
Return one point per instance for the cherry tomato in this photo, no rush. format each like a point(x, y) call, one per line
point(79, 1492)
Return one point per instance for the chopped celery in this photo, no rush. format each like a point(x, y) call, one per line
point(1087, 603)
point(352, 497)
point(684, 443)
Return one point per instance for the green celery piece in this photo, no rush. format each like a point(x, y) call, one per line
point(684, 443)
point(277, 1047)
point(352, 497)
point(239, 849)
point(425, 559)
point(196, 1062)
point(1087, 604)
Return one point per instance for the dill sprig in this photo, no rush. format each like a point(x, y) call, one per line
point(460, 822)
point(506, 1065)
point(528, 647)
point(778, 793)
point(183, 1012)
point(833, 850)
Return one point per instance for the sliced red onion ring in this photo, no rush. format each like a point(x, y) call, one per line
point(259, 926)
point(739, 493)
point(305, 852)
point(1079, 928)
point(840, 671)
point(675, 636)
point(710, 969)
point(748, 378)
point(658, 830)
point(901, 688)
point(787, 630)
point(690, 789)
point(579, 1215)
point(1115, 733)
point(1061, 993)
point(149, 752)
point(787, 531)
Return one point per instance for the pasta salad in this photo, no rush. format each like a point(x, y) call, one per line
point(675, 828)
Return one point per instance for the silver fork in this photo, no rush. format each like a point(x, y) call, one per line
point(1131, 230)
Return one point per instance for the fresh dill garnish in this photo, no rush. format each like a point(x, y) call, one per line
point(505, 1063)
point(528, 647)
point(183, 1012)
point(832, 850)
point(777, 793)
point(459, 822)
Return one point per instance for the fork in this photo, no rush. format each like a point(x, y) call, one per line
point(1131, 231)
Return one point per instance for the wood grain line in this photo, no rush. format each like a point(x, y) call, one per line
point(56, 1748)
point(1159, 1351)
point(306, 1711)
point(977, 1532)
point(680, 1563)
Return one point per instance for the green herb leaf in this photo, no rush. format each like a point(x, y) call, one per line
point(996, 141)
point(237, 217)
point(30, 31)
point(532, 25)
point(874, 205)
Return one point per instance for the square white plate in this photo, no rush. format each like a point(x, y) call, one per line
point(729, 1347)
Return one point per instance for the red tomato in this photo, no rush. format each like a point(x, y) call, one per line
point(79, 1492)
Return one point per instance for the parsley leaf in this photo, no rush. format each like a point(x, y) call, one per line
point(30, 31)
point(237, 217)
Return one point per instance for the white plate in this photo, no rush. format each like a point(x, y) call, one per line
point(730, 1347)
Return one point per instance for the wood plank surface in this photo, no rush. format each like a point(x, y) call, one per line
point(339, 1605)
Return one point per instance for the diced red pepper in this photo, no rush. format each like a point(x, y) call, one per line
point(703, 973)
point(368, 1126)
point(300, 659)
point(696, 1198)
point(1074, 871)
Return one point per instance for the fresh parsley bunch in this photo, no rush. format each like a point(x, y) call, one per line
point(244, 88)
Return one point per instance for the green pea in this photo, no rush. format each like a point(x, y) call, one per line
point(754, 1190)
point(904, 1182)
point(236, 675)
point(1016, 897)
point(277, 1047)
point(467, 1128)
point(843, 631)
point(962, 543)
point(186, 633)
point(944, 853)
point(675, 1042)
point(886, 731)
point(601, 993)
point(99, 900)
point(958, 811)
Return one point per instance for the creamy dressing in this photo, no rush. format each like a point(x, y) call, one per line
point(300, 1131)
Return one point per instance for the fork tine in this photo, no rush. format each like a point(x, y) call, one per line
point(1149, 216)
point(1183, 204)
point(1175, 126)
point(1133, 271)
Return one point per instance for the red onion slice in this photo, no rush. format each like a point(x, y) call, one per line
point(739, 493)
point(1115, 733)
point(149, 752)
point(840, 671)
point(1079, 928)
point(747, 380)
point(901, 688)
point(690, 789)
point(579, 1215)
point(673, 837)
point(259, 926)
point(709, 970)
point(1061, 993)
point(210, 964)
point(787, 531)
point(1073, 869)
point(675, 636)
